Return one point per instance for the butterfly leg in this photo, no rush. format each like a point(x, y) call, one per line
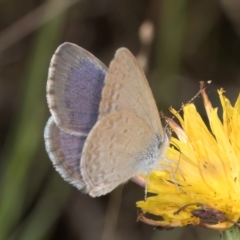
point(172, 171)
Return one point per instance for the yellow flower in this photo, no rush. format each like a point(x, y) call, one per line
point(200, 184)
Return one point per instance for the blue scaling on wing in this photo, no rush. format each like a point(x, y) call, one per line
point(65, 151)
point(84, 90)
point(75, 83)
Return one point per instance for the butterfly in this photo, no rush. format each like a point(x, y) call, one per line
point(104, 127)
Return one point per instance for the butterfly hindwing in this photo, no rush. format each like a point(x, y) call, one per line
point(65, 152)
point(119, 147)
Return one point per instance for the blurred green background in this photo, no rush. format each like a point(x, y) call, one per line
point(187, 41)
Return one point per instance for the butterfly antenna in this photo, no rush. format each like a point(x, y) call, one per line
point(203, 86)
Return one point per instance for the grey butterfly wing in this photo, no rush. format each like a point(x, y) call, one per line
point(120, 146)
point(126, 87)
point(128, 138)
point(74, 86)
point(65, 152)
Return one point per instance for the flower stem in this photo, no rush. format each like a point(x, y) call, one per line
point(231, 234)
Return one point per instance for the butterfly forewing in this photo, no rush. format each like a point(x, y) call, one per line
point(126, 87)
point(74, 87)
